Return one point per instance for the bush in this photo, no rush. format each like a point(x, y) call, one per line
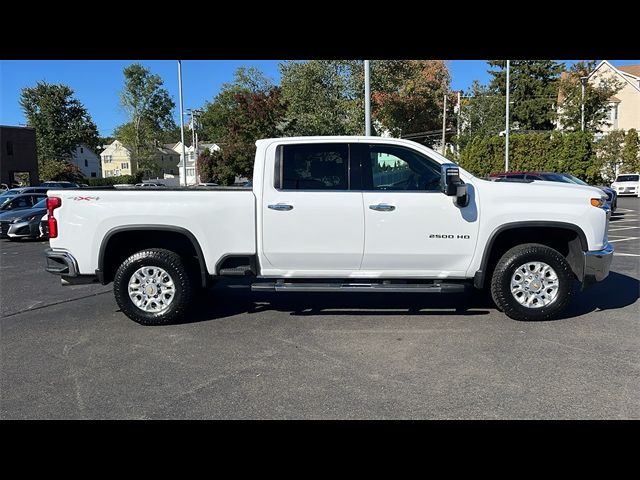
point(101, 182)
point(571, 152)
point(59, 170)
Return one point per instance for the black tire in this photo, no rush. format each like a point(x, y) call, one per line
point(506, 267)
point(173, 264)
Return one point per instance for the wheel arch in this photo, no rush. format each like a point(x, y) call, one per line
point(106, 272)
point(576, 243)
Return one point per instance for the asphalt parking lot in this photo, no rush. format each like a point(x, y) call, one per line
point(68, 352)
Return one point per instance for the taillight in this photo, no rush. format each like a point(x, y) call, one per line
point(52, 204)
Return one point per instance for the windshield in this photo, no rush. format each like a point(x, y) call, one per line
point(575, 179)
point(555, 177)
point(627, 178)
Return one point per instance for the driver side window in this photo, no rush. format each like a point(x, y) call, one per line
point(399, 169)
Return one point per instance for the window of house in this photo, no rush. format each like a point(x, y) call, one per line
point(108, 158)
point(9, 147)
point(93, 174)
point(124, 165)
point(81, 150)
point(86, 162)
point(320, 166)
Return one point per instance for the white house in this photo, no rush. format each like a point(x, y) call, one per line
point(192, 178)
point(624, 107)
point(87, 161)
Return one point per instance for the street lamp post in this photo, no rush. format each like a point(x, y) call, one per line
point(367, 98)
point(184, 153)
point(583, 80)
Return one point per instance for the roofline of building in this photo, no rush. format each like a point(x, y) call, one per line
point(17, 126)
point(619, 72)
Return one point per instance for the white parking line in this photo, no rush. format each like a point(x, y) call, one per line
point(624, 239)
point(625, 227)
point(626, 254)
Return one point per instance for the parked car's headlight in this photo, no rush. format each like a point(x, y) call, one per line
point(25, 219)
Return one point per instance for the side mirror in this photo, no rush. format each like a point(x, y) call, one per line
point(449, 179)
point(452, 185)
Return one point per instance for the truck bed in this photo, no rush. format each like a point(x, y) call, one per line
point(222, 219)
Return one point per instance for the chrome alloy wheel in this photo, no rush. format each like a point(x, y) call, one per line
point(535, 285)
point(151, 289)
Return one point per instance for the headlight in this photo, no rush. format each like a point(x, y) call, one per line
point(599, 202)
point(25, 219)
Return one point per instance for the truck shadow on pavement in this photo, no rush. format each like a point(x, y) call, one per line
point(616, 291)
point(227, 300)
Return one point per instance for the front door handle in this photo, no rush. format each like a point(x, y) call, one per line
point(382, 207)
point(280, 206)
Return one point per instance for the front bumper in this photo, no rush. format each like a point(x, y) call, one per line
point(627, 191)
point(597, 264)
point(24, 230)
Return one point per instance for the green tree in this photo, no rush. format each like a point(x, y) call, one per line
point(533, 91)
point(245, 110)
point(408, 95)
point(322, 97)
point(213, 168)
point(482, 113)
point(61, 123)
point(609, 150)
point(630, 158)
point(571, 152)
point(596, 98)
point(149, 107)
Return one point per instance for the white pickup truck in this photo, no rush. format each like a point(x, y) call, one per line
point(336, 214)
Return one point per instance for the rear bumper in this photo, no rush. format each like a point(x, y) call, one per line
point(61, 263)
point(64, 264)
point(597, 264)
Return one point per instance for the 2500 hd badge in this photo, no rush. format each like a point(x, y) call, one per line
point(463, 237)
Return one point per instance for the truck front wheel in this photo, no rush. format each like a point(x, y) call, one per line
point(153, 287)
point(532, 282)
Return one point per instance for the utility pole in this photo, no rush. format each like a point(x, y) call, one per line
point(506, 149)
point(184, 153)
point(193, 139)
point(444, 123)
point(583, 80)
point(367, 98)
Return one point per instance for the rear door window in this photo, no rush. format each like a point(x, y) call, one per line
point(319, 166)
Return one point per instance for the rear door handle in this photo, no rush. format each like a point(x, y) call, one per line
point(281, 207)
point(382, 207)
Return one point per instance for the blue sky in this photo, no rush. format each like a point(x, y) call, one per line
point(96, 82)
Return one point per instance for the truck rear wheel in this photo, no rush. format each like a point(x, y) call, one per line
point(532, 282)
point(153, 287)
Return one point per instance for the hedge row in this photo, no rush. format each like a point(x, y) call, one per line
point(99, 182)
point(571, 152)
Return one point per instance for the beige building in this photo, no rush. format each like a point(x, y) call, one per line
point(116, 160)
point(624, 107)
